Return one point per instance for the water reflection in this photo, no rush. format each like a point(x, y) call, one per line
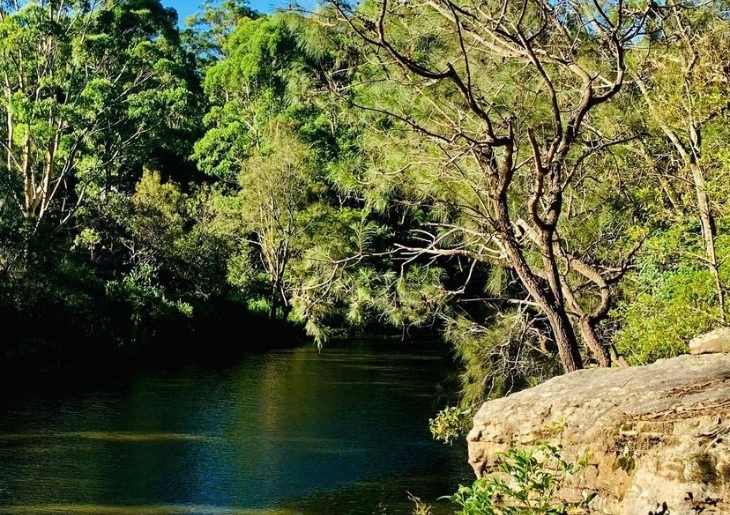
point(341, 432)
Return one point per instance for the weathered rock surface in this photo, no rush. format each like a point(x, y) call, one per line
point(714, 341)
point(650, 435)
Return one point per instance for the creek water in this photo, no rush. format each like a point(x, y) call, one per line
point(343, 431)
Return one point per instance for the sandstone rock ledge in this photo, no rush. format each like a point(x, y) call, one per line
point(650, 435)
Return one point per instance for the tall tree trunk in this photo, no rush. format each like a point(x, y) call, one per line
point(10, 134)
point(564, 338)
point(551, 305)
point(28, 180)
point(274, 308)
point(587, 322)
point(708, 236)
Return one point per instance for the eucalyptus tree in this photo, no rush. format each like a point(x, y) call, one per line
point(678, 89)
point(494, 105)
point(683, 77)
point(84, 90)
point(89, 92)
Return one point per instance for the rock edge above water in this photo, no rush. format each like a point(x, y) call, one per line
point(651, 435)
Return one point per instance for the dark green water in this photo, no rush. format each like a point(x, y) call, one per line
point(341, 432)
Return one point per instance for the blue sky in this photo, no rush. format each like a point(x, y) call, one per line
point(185, 8)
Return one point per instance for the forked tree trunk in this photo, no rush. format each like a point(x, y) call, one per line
point(563, 333)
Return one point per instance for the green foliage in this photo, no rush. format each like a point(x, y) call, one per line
point(674, 293)
point(672, 308)
point(147, 303)
point(506, 354)
point(449, 424)
point(208, 29)
point(671, 297)
point(162, 257)
point(529, 485)
point(99, 89)
point(248, 90)
point(272, 135)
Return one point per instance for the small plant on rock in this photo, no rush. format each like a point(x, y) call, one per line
point(449, 424)
point(534, 478)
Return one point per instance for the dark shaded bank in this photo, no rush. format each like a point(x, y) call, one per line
point(52, 342)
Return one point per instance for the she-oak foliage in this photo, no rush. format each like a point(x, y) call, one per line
point(496, 108)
